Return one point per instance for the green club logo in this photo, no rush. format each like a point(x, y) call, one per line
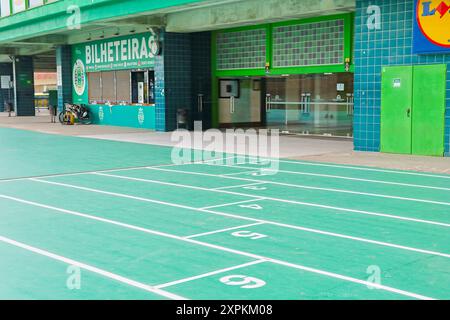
point(141, 116)
point(79, 77)
point(101, 114)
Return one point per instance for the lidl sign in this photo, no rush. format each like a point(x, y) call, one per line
point(432, 26)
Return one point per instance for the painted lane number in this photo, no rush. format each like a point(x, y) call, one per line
point(252, 206)
point(243, 281)
point(255, 188)
point(249, 234)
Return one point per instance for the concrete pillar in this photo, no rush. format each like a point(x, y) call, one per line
point(182, 73)
point(24, 82)
point(201, 76)
point(177, 73)
point(64, 75)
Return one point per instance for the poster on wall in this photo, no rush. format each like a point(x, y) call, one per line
point(431, 27)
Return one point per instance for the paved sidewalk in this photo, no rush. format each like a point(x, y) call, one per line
point(328, 150)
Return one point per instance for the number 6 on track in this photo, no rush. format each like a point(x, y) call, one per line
point(249, 234)
point(243, 281)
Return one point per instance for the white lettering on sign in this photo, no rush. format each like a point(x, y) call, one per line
point(116, 51)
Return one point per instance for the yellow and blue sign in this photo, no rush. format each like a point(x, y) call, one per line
point(432, 26)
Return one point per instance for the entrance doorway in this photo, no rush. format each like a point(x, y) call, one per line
point(312, 104)
point(241, 102)
point(316, 104)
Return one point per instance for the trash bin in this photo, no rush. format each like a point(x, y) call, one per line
point(183, 119)
point(9, 107)
point(53, 104)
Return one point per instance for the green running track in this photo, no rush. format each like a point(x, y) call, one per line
point(94, 219)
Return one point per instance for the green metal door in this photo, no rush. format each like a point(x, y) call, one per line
point(396, 109)
point(428, 121)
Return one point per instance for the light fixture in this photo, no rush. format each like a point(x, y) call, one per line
point(133, 31)
point(89, 38)
point(117, 32)
point(103, 35)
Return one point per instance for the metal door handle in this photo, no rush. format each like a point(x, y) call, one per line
point(200, 103)
point(268, 103)
point(408, 112)
point(231, 105)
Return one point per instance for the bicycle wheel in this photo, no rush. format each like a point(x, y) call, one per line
point(61, 117)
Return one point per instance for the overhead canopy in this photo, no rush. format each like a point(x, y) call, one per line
point(39, 30)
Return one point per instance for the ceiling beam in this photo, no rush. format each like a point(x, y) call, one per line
point(250, 12)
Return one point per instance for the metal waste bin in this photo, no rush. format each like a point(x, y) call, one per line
point(183, 119)
point(9, 107)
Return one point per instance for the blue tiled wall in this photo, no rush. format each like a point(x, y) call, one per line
point(177, 73)
point(182, 71)
point(25, 86)
point(201, 75)
point(64, 64)
point(392, 45)
point(5, 94)
point(160, 99)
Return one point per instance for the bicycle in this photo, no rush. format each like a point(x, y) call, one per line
point(75, 113)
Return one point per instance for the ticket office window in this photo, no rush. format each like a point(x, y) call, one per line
point(121, 87)
point(143, 87)
point(95, 87)
point(108, 87)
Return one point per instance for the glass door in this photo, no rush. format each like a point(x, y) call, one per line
point(240, 102)
point(202, 103)
point(316, 104)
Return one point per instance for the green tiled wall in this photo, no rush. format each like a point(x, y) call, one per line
point(309, 44)
point(241, 50)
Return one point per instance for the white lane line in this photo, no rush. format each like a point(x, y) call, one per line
point(332, 234)
point(259, 197)
point(224, 230)
point(206, 275)
point(240, 186)
point(317, 164)
point(224, 191)
point(250, 219)
point(341, 191)
point(225, 249)
point(231, 204)
point(110, 170)
point(442, 224)
point(93, 269)
point(332, 176)
point(238, 173)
